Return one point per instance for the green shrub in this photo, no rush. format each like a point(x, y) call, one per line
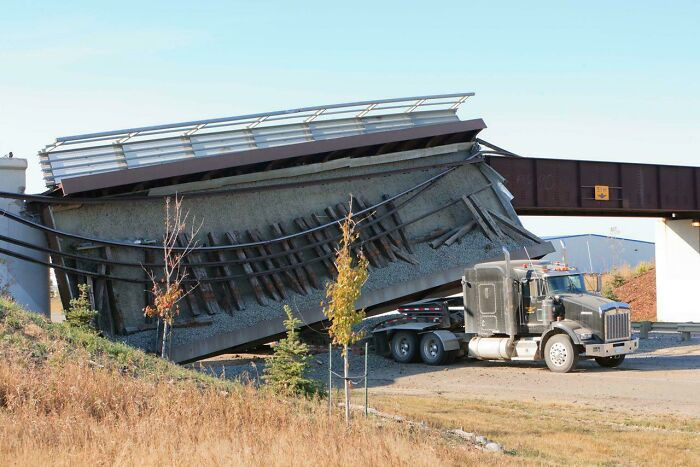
point(80, 314)
point(616, 280)
point(286, 372)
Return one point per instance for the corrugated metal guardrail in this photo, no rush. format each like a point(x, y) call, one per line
point(685, 329)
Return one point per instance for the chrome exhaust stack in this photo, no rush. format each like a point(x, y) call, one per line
point(509, 311)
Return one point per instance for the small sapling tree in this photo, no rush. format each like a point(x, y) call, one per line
point(343, 293)
point(286, 372)
point(170, 288)
point(80, 313)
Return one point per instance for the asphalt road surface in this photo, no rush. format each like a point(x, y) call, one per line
point(663, 377)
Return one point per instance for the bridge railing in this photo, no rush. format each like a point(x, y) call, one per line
point(73, 156)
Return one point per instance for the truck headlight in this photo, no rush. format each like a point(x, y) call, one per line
point(584, 334)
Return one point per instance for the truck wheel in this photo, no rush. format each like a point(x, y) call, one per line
point(404, 346)
point(560, 354)
point(610, 362)
point(432, 351)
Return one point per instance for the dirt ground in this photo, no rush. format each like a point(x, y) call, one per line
point(663, 380)
point(662, 377)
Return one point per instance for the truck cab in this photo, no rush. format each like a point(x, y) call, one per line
point(513, 310)
point(543, 310)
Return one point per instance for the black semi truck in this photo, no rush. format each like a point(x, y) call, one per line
point(526, 310)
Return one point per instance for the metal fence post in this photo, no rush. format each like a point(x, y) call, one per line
point(156, 345)
point(366, 394)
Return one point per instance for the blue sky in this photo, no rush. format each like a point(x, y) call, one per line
point(590, 80)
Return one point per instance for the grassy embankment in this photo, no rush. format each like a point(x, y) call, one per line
point(68, 397)
point(558, 434)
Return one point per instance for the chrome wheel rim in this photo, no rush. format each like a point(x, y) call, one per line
point(404, 346)
point(431, 348)
point(558, 354)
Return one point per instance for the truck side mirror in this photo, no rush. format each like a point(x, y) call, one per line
point(599, 283)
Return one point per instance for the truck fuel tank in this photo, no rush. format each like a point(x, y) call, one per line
point(491, 348)
point(504, 348)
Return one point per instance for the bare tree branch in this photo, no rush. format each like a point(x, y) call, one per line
point(168, 291)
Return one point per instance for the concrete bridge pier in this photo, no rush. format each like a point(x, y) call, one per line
point(27, 283)
point(678, 270)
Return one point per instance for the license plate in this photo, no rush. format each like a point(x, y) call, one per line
point(620, 349)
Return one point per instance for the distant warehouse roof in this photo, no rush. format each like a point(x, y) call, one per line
point(600, 253)
point(358, 129)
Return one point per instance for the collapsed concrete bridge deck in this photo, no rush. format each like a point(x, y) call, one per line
point(419, 229)
point(428, 203)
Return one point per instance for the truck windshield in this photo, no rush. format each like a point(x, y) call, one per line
point(570, 284)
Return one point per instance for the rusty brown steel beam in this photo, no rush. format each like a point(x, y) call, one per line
point(558, 187)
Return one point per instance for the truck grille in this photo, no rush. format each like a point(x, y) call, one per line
point(617, 325)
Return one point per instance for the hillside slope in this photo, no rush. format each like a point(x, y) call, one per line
point(68, 397)
point(640, 292)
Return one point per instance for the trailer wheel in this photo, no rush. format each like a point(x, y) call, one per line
point(432, 351)
point(404, 346)
point(610, 362)
point(560, 354)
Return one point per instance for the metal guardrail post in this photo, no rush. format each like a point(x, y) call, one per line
point(644, 328)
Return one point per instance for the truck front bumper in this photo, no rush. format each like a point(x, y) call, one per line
point(610, 349)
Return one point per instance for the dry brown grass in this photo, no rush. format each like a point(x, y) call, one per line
point(626, 272)
point(561, 433)
point(72, 399)
point(80, 415)
point(69, 398)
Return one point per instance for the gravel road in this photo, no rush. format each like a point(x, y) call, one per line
point(662, 377)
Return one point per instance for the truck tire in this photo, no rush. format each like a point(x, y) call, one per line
point(560, 354)
point(404, 346)
point(432, 351)
point(610, 362)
